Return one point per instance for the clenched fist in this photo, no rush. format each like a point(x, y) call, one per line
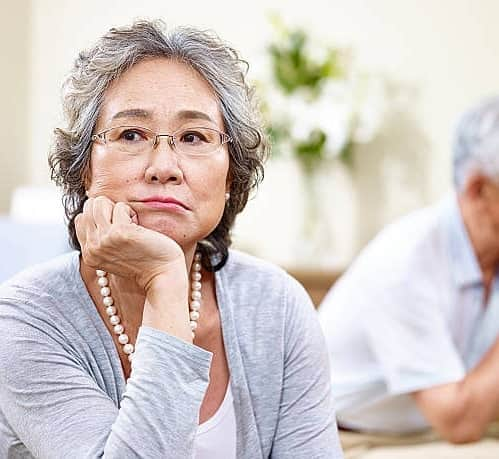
point(112, 239)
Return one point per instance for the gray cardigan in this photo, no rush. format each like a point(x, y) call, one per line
point(63, 392)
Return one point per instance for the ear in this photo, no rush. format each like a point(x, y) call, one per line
point(475, 186)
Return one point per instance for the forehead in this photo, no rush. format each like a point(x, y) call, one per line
point(159, 90)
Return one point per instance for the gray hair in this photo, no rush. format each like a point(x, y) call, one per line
point(114, 54)
point(476, 143)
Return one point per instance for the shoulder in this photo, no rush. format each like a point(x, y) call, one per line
point(37, 308)
point(407, 259)
point(39, 287)
point(246, 274)
point(409, 234)
point(405, 247)
point(241, 263)
point(262, 292)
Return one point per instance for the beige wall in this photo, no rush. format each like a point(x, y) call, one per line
point(444, 52)
point(447, 50)
point(14, 77)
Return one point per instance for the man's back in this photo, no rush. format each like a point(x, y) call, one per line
point(399, 320)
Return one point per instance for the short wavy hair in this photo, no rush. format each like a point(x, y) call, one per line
point(476, 142)
point(117, 51)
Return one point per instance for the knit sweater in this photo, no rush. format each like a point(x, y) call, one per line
point(63, 393)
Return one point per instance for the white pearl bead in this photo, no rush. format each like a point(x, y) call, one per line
point(194, 315)
point(102, 281)
point(196, 285)
point(123, 339)
point(115, 320)
point(128, 348)
point(108, 301)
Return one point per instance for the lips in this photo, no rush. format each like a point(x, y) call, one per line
point(164, 201)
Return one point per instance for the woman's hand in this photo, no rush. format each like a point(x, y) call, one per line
point(112, 240)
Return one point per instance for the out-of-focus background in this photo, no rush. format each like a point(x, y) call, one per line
point(420, 64)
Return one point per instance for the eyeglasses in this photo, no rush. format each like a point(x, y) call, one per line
point(191, 141)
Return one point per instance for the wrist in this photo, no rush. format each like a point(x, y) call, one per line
point(173, 273)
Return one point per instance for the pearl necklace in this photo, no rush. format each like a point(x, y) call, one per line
point(115, 320)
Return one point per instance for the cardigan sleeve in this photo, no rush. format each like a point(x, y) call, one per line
point(57, 410)
point(306, 426)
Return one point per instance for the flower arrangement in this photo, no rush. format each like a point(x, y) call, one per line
point(318, 105)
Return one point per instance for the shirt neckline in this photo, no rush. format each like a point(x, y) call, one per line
point(465, 267)
point(219, 415)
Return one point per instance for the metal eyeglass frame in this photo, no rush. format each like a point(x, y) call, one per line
point(101, 136)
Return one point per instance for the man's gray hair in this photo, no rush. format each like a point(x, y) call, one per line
point(476, 143)
point(113, 55)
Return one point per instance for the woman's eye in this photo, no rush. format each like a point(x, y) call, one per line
point(132, 136)
point(192, 137)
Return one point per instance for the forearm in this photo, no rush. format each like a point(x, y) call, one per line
point(48, 397)
point(462, 411)
point(159, 413)
point(166, 305)
point(480, 389)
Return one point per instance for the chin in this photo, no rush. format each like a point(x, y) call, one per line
point(162, 224)
point(175, 228)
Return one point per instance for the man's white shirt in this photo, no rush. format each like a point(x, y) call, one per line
point(402, 318)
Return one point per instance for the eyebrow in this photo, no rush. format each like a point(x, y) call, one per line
point(132, 113)
point(144, 114)
point(193, 115)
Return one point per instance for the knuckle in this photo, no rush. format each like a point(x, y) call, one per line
point(87, 204)
point(118, 234)
point(105, 241)
point(101, 200)
point(78, 221)
point(87, 255)
point(120, 206)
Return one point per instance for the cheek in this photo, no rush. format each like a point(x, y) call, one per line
point(208, 186)
point(211, 179)
point(110, 176)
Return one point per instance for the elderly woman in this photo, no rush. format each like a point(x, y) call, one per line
point(153, 339)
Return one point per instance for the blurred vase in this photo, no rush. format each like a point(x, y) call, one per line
point(328, 238)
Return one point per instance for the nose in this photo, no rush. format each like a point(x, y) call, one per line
point(163, 165)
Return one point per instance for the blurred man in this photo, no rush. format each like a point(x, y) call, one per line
point(412, 327)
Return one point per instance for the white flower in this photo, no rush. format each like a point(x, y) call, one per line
point(348, 109)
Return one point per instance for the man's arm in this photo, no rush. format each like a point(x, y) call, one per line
point(460, 412)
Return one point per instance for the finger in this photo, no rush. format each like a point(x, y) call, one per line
point(88, 213)
point(102, 212)
point(81, 231)
point(123, 213)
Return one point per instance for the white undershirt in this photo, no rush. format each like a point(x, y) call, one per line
point(216, 437)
